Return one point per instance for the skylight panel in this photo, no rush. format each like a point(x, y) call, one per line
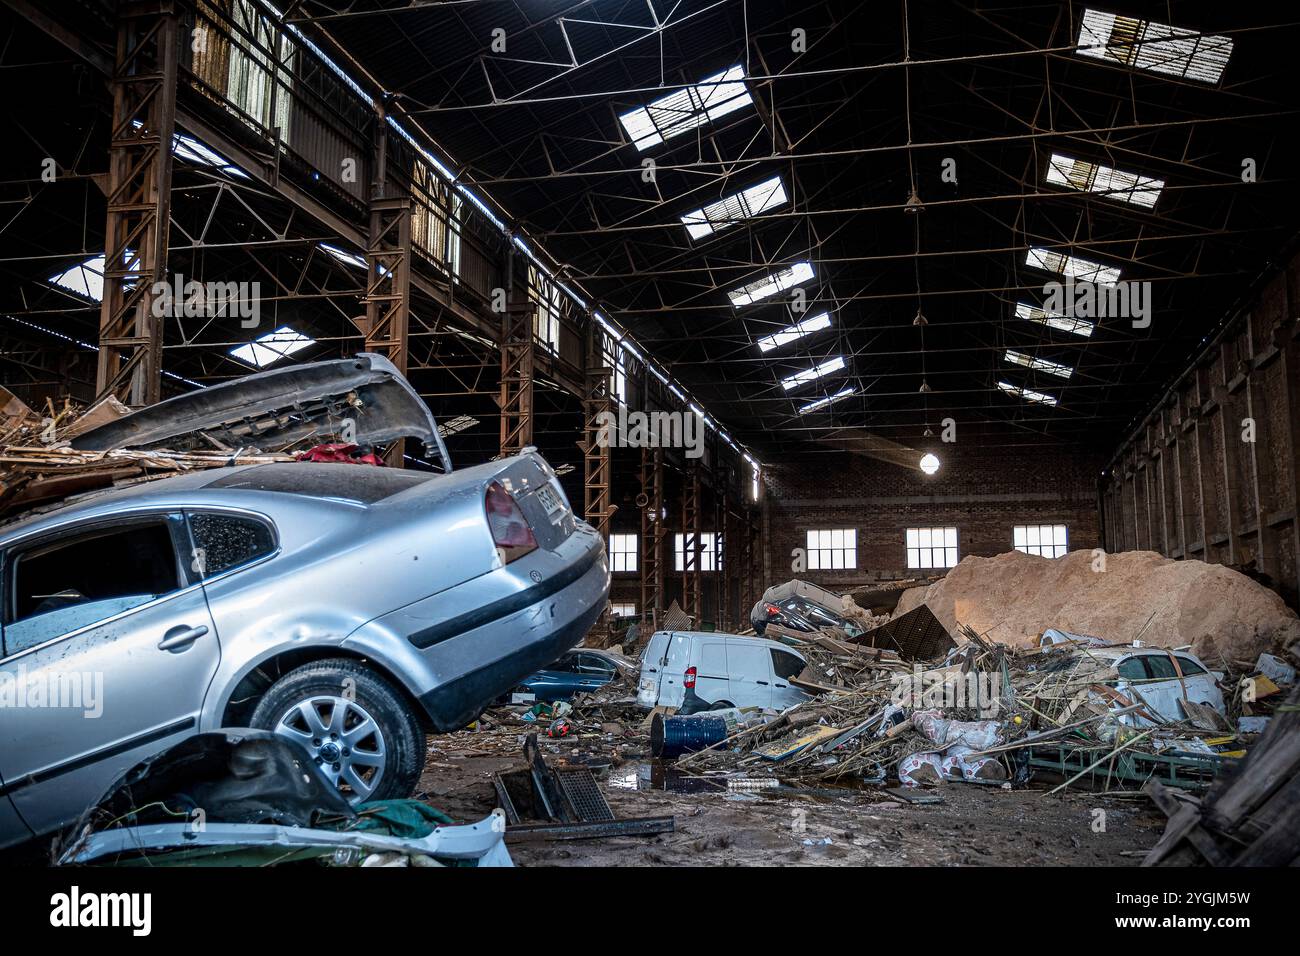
point(1062, 322)
point(687, 109)
point(1072, 266)
point(1111, 183)
point(456, 425)
point(767, 286)
point(743, 205)
point(190, 149)
point(1158, 47)
point(342, 255)
point(1028, 394)
point(814, 373)
point(85, 278)
point(272, 347)
point(1038, 364)
point(815, 323)
point(828, 400)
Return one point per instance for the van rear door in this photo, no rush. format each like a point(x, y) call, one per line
point(666, 662)
point(709, 658)
point(750, 666)
point(652, 665)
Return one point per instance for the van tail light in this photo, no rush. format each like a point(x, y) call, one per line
point(510, 530)
point(772, 610)
point(688, 679)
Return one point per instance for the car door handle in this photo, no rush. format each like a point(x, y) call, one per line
point(781, 686)
point(763, 682)
point(181, 636)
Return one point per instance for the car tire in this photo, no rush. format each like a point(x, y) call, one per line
point(397, 740)
point(722, 705)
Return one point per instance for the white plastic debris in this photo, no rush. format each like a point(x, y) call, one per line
point(974, 734)
point(1253, 725)
point(1275, 669)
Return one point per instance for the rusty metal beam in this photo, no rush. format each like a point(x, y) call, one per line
point(597, 403)
point(651, 503)
point(518, 359)
point(139, 202)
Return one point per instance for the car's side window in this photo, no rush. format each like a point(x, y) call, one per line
point(1189, 666)
point(226, 541)
point(1132, 669)
point(817, 614)
point(60, 586)
point(594, 664)
point(786, 665)
point(1161, 667)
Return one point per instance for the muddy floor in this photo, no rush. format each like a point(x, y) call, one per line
point(970, 825)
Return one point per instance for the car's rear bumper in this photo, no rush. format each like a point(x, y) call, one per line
point(457, 651)
point(486, 652)
point(452, 705)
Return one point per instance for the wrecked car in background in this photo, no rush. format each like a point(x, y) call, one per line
point(577, 672)
point(707, 670)
point(801, 606)
point(346, 607)
point(1162, 682)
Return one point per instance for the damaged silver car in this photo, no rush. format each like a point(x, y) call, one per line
point(347, 607)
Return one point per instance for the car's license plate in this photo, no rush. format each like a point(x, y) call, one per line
point(551, 502)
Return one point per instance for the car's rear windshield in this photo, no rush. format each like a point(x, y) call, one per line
point(366, 484)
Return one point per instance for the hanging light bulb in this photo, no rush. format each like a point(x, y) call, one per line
point(913, 204)
point(928, 433)
point(925, 386)
point(929, 463)
point(920, 318)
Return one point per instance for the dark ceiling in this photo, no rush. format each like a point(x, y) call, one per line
point(993, 87)
point(883, 94)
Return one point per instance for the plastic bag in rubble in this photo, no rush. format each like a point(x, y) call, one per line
point(975, 734)
point(894, 714)
point(920, 770)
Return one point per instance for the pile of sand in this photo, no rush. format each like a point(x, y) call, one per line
point(1014, 597)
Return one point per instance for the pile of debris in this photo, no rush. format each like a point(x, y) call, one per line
point(904, 700)
point(336, 410)
point(1248, 818)
point(39, 466)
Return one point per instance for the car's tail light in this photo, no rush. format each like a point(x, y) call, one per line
point(772, 610)
point(510, 530)
point(688, 679)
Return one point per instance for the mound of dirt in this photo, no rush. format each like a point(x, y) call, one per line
point(1014, 597)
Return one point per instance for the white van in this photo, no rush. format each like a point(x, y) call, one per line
point(697, 670)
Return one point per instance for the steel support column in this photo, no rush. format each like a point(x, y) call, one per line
point(692, 580)
point(723, 562)
point(597, 403)
point(651, 501)
point(139, 202)
point(388, 270)
point(517, 361)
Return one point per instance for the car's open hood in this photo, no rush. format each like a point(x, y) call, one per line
point(289, 406)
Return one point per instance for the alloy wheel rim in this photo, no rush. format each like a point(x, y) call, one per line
point(342, 739)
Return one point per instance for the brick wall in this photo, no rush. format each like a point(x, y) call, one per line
point(981, 492)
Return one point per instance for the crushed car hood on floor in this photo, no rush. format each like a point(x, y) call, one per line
point(251, 797)
point(238, 776)
point(276, 409)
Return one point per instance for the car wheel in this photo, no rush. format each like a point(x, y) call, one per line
point(353, 724)
point(722, 705)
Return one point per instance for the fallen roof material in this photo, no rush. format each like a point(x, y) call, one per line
point(916, 636)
